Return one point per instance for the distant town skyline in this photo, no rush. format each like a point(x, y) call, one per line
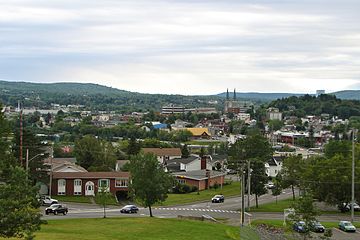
point(185, 47)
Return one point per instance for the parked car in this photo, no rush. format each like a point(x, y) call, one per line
point(218, 199)
point(270, 185)
point(316, 227)
point(56, 209)
point(129, 209)
point(46, 200)
point(300, 227)
point(347, 226)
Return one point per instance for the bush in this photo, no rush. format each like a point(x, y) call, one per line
point(184, 188)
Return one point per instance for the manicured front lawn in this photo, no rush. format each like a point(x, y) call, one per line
point(177, 199)
point(138, 228)
point(76, 199)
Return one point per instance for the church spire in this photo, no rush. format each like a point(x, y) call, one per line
point(234, 93)
point(227, 94)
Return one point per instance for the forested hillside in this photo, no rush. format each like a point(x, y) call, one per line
point(93, 96)
point(311, 105)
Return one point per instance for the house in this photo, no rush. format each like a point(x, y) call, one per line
point(89, 183)
point(199, 132)
point(202, 179)
point(192, 163)
point(64, 165)
point(273, 166)
point(120, 164)
point(274, 114)
point(164, 154)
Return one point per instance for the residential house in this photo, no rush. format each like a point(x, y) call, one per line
point(202, 179)
point(120, 164)
point(273, 166)
point(164, 154)
point(192, 163)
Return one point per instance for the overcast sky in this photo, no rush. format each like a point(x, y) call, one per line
point(184, 46)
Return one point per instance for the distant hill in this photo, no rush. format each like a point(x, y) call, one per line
point(94, 97)
point(348, 94)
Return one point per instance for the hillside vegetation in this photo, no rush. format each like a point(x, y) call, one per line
point(311, 105)
point(93, 96)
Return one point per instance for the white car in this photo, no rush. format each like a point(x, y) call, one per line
point(46, 200)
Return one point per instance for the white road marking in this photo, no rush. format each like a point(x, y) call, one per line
point(198, 210)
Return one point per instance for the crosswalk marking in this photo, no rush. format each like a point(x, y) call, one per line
point(198, 210)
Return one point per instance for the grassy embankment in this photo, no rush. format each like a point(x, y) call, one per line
point(139, 228)
point(286, 203)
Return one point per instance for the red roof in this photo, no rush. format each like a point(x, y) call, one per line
point(163, 151)
point(82, 175)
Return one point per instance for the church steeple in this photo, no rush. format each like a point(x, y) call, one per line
point(227, 94)
point(234, 93)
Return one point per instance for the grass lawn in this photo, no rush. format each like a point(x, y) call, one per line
point(139, 228)
point(76, 199)
point(286, 203)
point(279, 223)
point(177, 199)
point(83, 199)
point(273, 206)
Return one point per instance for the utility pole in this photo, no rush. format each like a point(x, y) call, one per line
point(51, 169)
point(243, 198)
point(21, 136)
point(27, 164)
point(353, 176)
point(249, 186)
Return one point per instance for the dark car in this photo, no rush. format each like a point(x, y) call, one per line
point(56, 209)
point(218, 199)
point(316, 227)
point(129, 209)
point(300, 227)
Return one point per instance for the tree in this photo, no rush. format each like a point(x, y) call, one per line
point(95, 155)
point(258, 179)
point(134, 147)
point(38, 172)
point(19, 213)
point(103, 197)
point(149, 182)
point(291, 172)
point(185, 151)
point(305, 210)
point(277, 189)
point(275, 124)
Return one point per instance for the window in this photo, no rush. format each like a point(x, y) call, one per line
point(181, 181)
point(61, 186)
point(104, 184)
point(77, 186)
point(121, 182)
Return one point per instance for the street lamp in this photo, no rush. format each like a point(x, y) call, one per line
point(29, 160)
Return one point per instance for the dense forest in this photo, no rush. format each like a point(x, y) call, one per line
point(312, 105)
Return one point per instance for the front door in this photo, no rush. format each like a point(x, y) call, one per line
point(89, 189)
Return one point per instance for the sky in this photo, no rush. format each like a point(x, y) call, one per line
point(184, 46)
